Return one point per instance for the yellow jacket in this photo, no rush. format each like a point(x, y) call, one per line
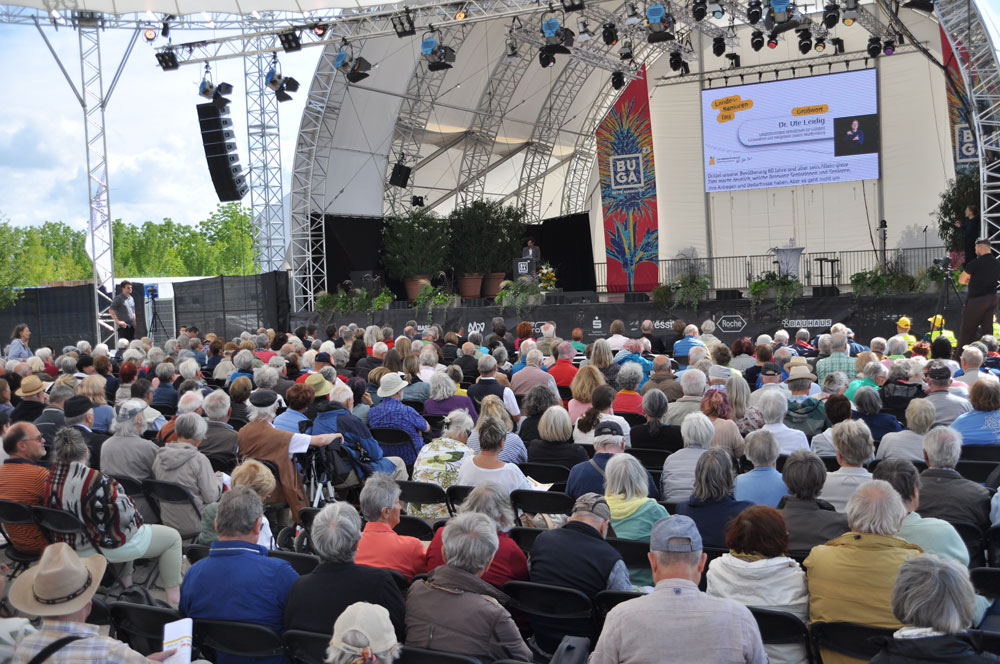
point(850, 579)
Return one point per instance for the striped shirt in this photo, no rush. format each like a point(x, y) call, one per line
point(836, 362)
point(88, 650)
point(24, 482)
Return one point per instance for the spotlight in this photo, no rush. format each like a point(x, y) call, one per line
point(889, 47)
point(290, 41)
point(718, 46)
point(354, 69)
point(403, 25)
point(675, 60)
point(715, 9)
point(772, 40)
point(417, 201)
point(572, 5)
point(460, 15)
point(617, 80)
point(149, 34)
point(850, 13)
point(583, 34)
point(631, 14)
point(609, 33)
point(510, 50)
point(838, 44)
point(757, 40)
point(439, 57)
point(660, 24)
point(734, 60)
point(754, 12)
point(545, 59)
point(320, 29)
point(831, 16)
point(779, 11)
point(625, 53)
point(281, 85)
point(820, 45)
point(699, 8)
point(167, 60)
point(165, 27)
point(874, 47)
point(216, 93)
point(558, 39)
point(805, 41)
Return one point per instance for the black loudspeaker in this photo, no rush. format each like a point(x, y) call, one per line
point(219, 140)
point(400, 175)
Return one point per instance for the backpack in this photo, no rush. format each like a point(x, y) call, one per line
point(806, 417)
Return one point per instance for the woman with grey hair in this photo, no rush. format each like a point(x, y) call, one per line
point(503, 361)
point(538, 400)
point(934, 600)
point(810, 521)
point(363, 634)
point(712, 505)
point(762, 485)
point(180, 462)
point(509, 563)
point(243, 362)
point(853, 441)
point(126, 453)
point(554, 443)
point(319, 598)
point(380, 546)
point(909, 443)
point(444, 397)
point(835, 382)
point(373, 335)
point(633, 512)
point(454, 609)
point(439, 461)
point(627, 400)
point(869, 405)
point(747, 417)
point(487, 466)
point(677, 478)
point(656, 433)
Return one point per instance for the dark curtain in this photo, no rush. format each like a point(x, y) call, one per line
point(353, 245)
point(565, 244)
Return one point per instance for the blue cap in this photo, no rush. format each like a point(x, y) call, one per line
point(675, 528)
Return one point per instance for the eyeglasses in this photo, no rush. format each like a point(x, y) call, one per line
point(34, 438)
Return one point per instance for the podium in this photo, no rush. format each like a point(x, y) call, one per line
point(788, 260)
point(525, 267)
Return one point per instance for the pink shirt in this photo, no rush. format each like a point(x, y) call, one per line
point(576, 409)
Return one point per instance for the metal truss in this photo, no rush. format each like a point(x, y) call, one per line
point(411, 123)
point(977, 58)
point(264, 161)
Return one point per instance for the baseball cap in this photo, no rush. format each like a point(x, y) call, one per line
point(770, 369)
point(372, 621)
point(937, 320)
point(263, 398)
point(904, 322)
point(593, 503)
point(323, 357)
point(719, 371)
point(674, 528)
point(608, 428)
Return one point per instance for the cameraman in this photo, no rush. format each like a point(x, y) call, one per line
point(123, 312)
point(981, 275)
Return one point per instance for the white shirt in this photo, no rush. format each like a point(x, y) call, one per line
point(788, 439)
point(904, 444)
point(822, 443)
point(509, 477)
point(588, 438)
point(841, 485)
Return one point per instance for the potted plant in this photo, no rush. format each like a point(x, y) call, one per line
point(508, 224)
point(471, 234)
point(414, 247)
point(784, 288)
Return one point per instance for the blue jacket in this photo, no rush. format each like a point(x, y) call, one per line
point(711, 517)
point(584, 478)
point(166, 395)
point(331, 417)
point(647, 365)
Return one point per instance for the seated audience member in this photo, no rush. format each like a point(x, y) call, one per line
point(854, 446)
point(180, 462)
point(380, 546)
point(677, 478)
point(364, 632)
point(869, 411)
point(662, 378)
point(944, 493)
point(978, 426)
point(851, 577)
point(487, 464)
point(52, 418)
point(711, 504)
point(588, 476)
point(773, 406)
point(762, 485)
point(656, 433)
point(22, 480)
point(487, 384)
point(576, 556)
point(111, 518)
point(563, 371)
point(628, 400)
point(769, 380)
point(582, 387)
point(239, 395)
point(60, 589)
point(316, 600)
point(444, 398)
point(554, 443)
point(238, 580)
point(805, 413)
point(758, 572)
point(715, 404)
point(260, 480)
point(362, 400)
point(873, 374)
point(126, 453)
point(599, 411)
point(467, 362)
point(838, 409)
point(835, 382)
point(909, 443)
point(190, 402)
point(509, 563)
point(299, 398)
point(165, 394)
point(454, 609)
point(810, 520)
point(93, 387)
point(972, 367)
point(535, 403)
point(33, 399)
point(440, 460)
point(693, 382)
point(676, 617)
point(602, 359)
point(901, 388)
point(143, 391)
point(633, 512)
point(221, 440)
point(391, 412)
point(947, 406)
point(933, 599)
point(747, 417)
point(839, 359)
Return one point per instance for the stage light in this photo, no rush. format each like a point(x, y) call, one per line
point(572, 5)
point(417, 201)
point(609, 33)
point(718, 46)
point(510, 50)
point(165, 27)
point(583, 34)
point(772, 40)
point(675, 60)
point(838, 44)
point(281, 85)
point(545, 59)
point(874, 47)
point(216, 93)
point(290, 41)
point(631, 14)
point(734, 60)
point(558, 39)
point(403, 25)
point(460, 15)
point(805, 41)
point(889, 47)
point(625, 53)
point(354, 69)
point(320, 29)
point(617, 80)
point(699, 8)
point(757, 40)
point(850, 12)
point(659, 24)
point(149, 34)
point(438, 57)
point(831, 16)
point(754, 12)
point(820, 45)
point(779, 10)
point(167, 60)
point(716, 10)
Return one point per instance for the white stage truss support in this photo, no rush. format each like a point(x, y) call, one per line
point(264, 159)
point(977, 57)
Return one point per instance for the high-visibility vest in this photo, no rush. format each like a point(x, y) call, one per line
point(910, 340)
point(948, 334)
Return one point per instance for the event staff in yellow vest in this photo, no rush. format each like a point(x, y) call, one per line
point(981, 275)
point(937, 328)
point(903, 330)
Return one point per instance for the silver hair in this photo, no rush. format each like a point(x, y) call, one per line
point(781, 336)
point(853, 441)
point(713, 475)
point(131, 427)
point(972, 356)
point(875, 370)
point(693, 382)
point(555, 425)
point(428, 357)
point(44, 353)
point(373, 335)
point(277, 363)
point(265, 378)
point(470, 541)
point(456, 422)
point(262, 413)
point(170, 346)
point(764, 340)
point(838, 342)
point(920, 416)
point(943, 447)
point(804, 474)
point(539, 399)
point(500, 354)
point(70, 446)
point(534, 357)
point(83, 346)
point(340, 357)
point(697, 430)
point(697, 354)
point(624, 476)
point(897, 345)
point(802, 334)
point(655, 404)
point(380, 348)
point(690, 330)
point(190, 426)
point(783, 355)
point(190, 402)
point(990, 342)
point(132, 355)
point(629, 376)
point(442, 387)
point(188, 369)
point(100, 349)
point(335, 533)
point(773, 406)
point(835, 382)
point(916, 366)
point(261, 340)
point(243, 361)
point(799, 384)
point(878, 344)
point(934, 592)
point(899, 369)
point(216, 405)
point(60, 393)
point(762, 448)
point(328, 372)
point(238, 512)
point(487, 364)
point(738, 391)
point(491, 499)
point(876, 508)
point(825, 344)
point(341, 394)
point(867, 400)
point(380, 492)
point(708, 326)
point(66, 364)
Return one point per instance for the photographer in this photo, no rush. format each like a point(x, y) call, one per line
point(123, 312)
point(981, 275)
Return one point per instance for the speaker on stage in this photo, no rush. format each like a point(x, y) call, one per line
point(400, 175)
point(219, 139)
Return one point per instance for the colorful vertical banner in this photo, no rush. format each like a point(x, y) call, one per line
point(963, 138)
point(628, 191)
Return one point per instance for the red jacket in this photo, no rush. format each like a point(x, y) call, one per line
point(563, 372)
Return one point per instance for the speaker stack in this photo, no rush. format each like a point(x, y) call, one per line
point(220, 151)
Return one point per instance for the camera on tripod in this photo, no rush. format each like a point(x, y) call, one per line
point(152, 291)
point(943, 262)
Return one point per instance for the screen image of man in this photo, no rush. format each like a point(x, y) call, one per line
point(981, 276)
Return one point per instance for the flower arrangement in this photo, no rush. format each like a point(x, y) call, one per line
point(547, 277)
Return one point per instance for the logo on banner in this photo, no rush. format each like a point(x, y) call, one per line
point(523, 268)
point(597, 324)
point(807, 322)
point(477, 327)
point(965, 144)
point(626, 172)
point(732, 323)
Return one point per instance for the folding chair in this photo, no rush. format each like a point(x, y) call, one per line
point(540, 502)
point(547, 473)
point(16, 514)
point(415, 405)
point(846, 638)
point(778, 627)
point(973, 538)
point(238, 638)
point(981, 453)
point(650, 459)
point(141, 626)
point(436, 422)
point(196, 552)
point(306, 647)
point(412, 655)
point(633, 419)
point(633, 552)
point(303, 563)
point(457, 493)
point(389, 437)
point(588, 448)
point(54, 522)
point(606, 600)
point(977, 471)
point(171, 493)
point(412, 526)
point(424, 493)
point(524, 537)
point(554, 612)
point(132, 486)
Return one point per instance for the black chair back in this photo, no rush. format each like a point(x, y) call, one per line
point(140, 626)
point(986, 581)
point(239, 639)
point(524, 537)
point(412, 526)
point(415, 405)
point(303, 563)
point(225, 463)
point(782, 458)
point(400, 580)
point(306, 647)
point(54, 521)
point(782, 627)
point(981, 453)
point(541, 502)
point(977, 471)
point(633, 552)
point(986, 641)
point(237, 423)
point(436, 422)
point(974, 542)
point(16, 514)
point(588, 448)
point(606, 600)
point(711, 553)
point(553, 611)
point(633, 419)
point(847, 638)
point(196, 552)
point(565, 393)
point(132, 486)
point(424, 493)
point(412, 655)
point(547, 473)
point(392, 437)
point(171, 493)
point(650, 459)
point(166, 410)
point(457, 493)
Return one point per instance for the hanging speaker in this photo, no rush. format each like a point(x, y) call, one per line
point(219, 139)
point(400, 175)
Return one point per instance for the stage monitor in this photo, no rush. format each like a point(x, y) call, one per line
point(794, 132)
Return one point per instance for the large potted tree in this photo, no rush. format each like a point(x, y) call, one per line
point(471, 237)
point(507, 224)
point(414, 248)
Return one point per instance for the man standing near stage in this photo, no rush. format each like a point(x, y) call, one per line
point(123, 312)
point(981, 275)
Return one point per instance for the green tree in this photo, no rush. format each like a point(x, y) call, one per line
point(230, 231)
point(958, 194)
point(9, 277)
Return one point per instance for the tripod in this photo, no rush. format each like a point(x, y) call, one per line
point(947, 286)
point(156, 320)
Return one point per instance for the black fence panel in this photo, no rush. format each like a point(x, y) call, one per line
point(230, 305)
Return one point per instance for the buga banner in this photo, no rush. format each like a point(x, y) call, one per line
point(628, 191)
point(963, 138)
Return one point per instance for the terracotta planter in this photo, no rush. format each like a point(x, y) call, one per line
point(413, 285)
point(491, 284)
point(469, 285)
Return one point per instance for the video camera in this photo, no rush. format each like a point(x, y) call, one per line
point(943, 262)
point(152, 291)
